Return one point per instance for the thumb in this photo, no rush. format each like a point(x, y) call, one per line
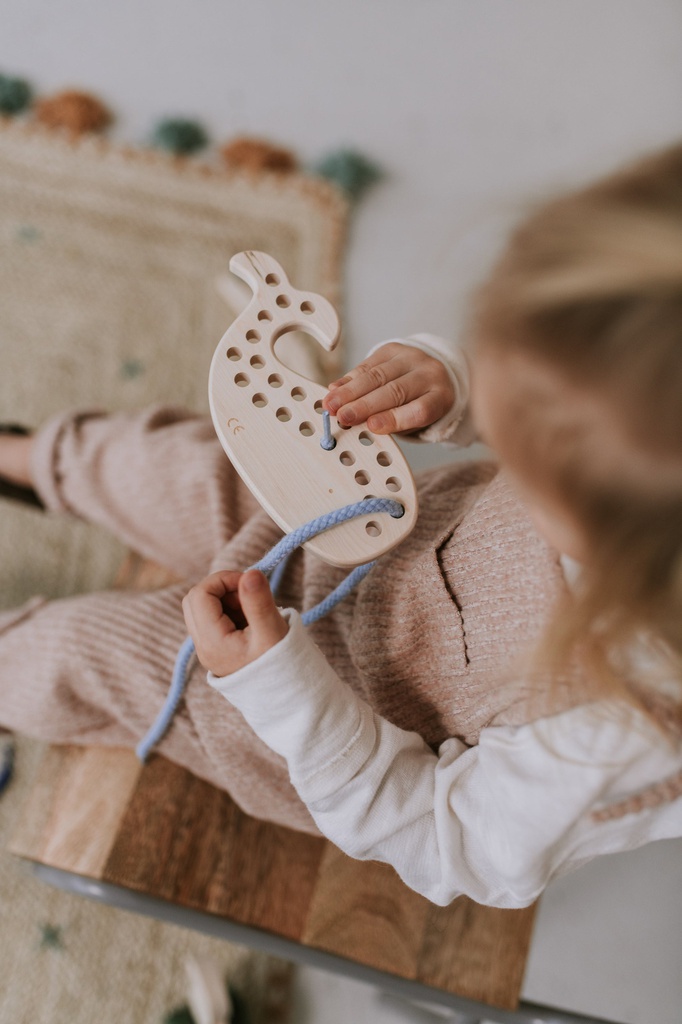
point(261, 612)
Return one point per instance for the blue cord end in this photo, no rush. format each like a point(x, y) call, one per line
point(328, 442)
point(6, 763)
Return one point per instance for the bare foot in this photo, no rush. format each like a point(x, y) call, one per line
point(15, 459)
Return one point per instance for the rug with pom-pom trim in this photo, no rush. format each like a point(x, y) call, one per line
point(113, 296)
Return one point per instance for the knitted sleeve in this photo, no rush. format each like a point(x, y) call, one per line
point(495, 822)
point(156, 478)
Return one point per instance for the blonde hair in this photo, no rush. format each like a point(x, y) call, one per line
point(591, 285)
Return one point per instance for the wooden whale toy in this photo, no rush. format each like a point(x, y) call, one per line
point(269, 421)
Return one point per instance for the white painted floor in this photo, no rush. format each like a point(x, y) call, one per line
point(606, 944)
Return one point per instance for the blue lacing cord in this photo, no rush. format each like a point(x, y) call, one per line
point(6, 761)
point(272, 565)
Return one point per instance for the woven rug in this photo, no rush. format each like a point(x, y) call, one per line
point(113, 265)
point(113, 296)
point(66, 959)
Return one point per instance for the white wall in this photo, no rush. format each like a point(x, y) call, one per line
point(470, 105)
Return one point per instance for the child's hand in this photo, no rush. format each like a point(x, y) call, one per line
point(232, 619)
point(398, 388)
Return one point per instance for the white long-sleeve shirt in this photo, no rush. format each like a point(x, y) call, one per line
point(496, 821)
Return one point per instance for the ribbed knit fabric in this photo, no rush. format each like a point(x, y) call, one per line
point(429, 639)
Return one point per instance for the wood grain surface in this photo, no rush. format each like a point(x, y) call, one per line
point(361, 910)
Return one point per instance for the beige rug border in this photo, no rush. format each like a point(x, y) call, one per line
point(327, 196)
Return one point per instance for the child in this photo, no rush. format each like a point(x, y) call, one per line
point(499, 702)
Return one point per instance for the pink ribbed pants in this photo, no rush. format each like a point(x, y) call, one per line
point(96, 668)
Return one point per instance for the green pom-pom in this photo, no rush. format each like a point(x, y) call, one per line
point(349, 170)
point(179, 136)
point(15, 95)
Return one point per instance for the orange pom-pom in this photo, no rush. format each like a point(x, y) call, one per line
point(76, 112)
point(255, 155)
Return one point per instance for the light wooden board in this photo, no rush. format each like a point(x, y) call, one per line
point(268, 418)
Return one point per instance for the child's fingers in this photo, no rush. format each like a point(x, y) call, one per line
point(412, 416)
point(266, 624)
point(216, 622)
point(373, 390)
point(232, 619)
point(226, 581)
point(407, 402)
point(388, 363)
point(204, 607)
point(397, 389)
point(397, 392)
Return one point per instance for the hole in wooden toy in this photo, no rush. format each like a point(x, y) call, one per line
point(318, 407)
point(264, 315)
point(384, 459)
point(234, 354)
point(241, 380)
point(283, 415)
point(298, 394)
point(362, 478)
point(373, 529)
point(260, 401)
point(307, 307)
point(288, 341)
point(393, 483)
point(283, 301)
point(307, 429)
point(257, 362)
point(366, 438)
point(272, 279)
point(275, 381)
point(347, 459)
point(252, 336)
